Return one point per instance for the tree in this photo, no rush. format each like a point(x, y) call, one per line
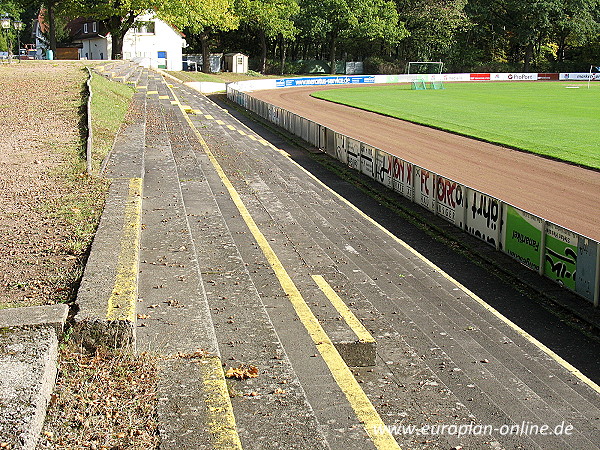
point(351, 20)
point(202, 18)
point(8, 37)
point(269, 19)
point(575, 23)
point(433, 26)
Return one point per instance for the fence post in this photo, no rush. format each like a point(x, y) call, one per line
point(88, 152)
point(597, 278)
point(543, 248)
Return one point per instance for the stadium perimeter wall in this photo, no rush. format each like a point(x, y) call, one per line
point(570, 259)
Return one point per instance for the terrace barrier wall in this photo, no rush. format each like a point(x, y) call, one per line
point(570, 259)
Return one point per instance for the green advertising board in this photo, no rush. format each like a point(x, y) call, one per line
point(560, 261)
point(523, 236)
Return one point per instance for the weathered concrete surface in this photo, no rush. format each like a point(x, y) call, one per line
point(50, 315)
point(27, 373)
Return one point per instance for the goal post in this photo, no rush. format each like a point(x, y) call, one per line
point(423, 72)
point(594, 74)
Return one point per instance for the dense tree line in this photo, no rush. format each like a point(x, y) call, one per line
point(468, 35)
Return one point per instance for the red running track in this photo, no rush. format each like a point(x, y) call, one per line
point(562, 193)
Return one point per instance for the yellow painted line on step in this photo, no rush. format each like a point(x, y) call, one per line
point(231, 127)
point(208, 116)
point(252, 137)
point(220, 417)
point(197, 112)
point(361, 332)
point(163, 97)
point(362, 406)
point(219, 122)
point(528, 337)
point(187, 109)
point(174, 102)
point(141, 88)
point(152, 93)
point(220, 420)
point(241, 132)
point(123, 299)
point(263, 142)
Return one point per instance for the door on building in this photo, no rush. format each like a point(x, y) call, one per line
point(162, 60)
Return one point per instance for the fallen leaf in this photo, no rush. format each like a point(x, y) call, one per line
point(242, 372)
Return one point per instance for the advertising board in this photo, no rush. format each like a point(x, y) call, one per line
point(522, 236)
point(484, 216)
point(451, 199)
point(353, 154)
point(384, 168)
point(424, 188)
point(367, 159)
point(402, 174)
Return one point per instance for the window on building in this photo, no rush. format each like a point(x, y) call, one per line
point(85, 28)
point(94, 27)
point(145, 28)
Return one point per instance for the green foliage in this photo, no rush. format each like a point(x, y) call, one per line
point(378, 65)
point(272, 17)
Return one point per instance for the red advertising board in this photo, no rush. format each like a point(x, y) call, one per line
point(480, 77)
point(548, 76)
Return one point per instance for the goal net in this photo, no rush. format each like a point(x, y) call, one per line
point(424, 67)
point(424, 71)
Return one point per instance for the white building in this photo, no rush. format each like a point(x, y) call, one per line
point(150, 42)
point(154, 43)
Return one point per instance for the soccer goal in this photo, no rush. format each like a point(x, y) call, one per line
point(594, 74)
point(421, 70)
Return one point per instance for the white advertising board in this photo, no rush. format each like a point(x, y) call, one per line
point(451, 200)
point(424, 188)
point(367, 159)
point(402, 177)
point(384, 168)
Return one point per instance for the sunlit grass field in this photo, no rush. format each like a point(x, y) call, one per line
point(556, 119)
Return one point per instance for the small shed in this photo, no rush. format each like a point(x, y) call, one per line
point(236, 62)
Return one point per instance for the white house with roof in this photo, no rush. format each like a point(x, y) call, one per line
point(151, 42)
point(154, 43)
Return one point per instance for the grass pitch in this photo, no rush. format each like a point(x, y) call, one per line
point(554, 119)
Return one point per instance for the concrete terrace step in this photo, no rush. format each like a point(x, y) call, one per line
point(191, 277)
point(28, 355)
point(394, 290)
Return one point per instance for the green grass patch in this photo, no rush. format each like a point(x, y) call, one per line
point(545, 118)
point(110, 102)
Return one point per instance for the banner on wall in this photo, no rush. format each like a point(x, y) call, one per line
point(585, 76)
point(384, 168)
point(483, 217)
point(523, 236)
point(324, 81)
point(514, 77)
point(450, 200)
point(403, 177)
point(353, 154)
point(424, 188)
point(585, 277)
point(560, 259)
point(367, 160)
point(479, 77)
point(341, 148)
